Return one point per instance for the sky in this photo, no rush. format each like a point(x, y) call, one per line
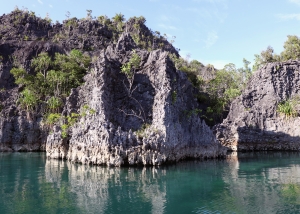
point(211, 31)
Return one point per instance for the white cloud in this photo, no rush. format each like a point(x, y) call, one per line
point(167, 27)
point(289, 16)
point(211, 39)
point(40, 1)
point(50, 5)
point(295, 1)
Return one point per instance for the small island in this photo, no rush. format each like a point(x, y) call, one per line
point(112, 92)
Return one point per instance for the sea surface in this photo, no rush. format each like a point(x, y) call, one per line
point(260, 182)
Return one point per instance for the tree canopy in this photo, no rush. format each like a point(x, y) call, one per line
point(52, 79)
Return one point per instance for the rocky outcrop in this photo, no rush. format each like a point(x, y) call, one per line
point(253, 122)
point(19, 130)
point(152, 122)
point(22, 37)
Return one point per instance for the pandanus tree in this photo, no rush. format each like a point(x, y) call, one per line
point(28, 100)
point(42, 63)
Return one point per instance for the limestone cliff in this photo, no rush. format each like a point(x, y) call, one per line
point(153, 123)
point(254, 122)
point(22, 37)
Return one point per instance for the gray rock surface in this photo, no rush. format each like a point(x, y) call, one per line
point(253, 122)
point(19, 130)
point(22, 37)
point(146, 125)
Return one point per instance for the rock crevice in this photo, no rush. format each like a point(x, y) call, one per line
point(117, 133)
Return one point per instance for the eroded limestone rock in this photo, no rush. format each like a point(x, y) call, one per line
point(253, 122)
point(147, 124)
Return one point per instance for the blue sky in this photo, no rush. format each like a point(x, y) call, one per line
point(212, 31)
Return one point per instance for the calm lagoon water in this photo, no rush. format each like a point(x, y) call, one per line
point(262, 182)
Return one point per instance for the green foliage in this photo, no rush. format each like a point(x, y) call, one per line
point(135, 60)
point(70, 121)
point(21, 76)
point(287, 108)
point(28, 100)
point(136, 38)
point(291, 52)
point(142, 19)
point(141, 132)
point(265, 56)
point(54, 103)
point(192, 69)
point(104, 20)
point(126, 69)
point(53, 77)
point(118, 20)
point(223, 89)
point(217, 93)
point(73, 118)
point(64, 132)
point(86, 110)
point(291, 48)
point(42, 63)
point(53, 118)
point(72, 22)
point(129, 68)
point(232, 93)
point(119, 17)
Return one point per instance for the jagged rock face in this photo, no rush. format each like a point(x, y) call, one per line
point(161, 97)
point(19, 130)
point(22, 37)
point(253, 122)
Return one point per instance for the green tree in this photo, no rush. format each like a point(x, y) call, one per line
point(89, 14)
point(54, 103)
point(104, 20)
point(42, 63)
point(119, 17)
point(265, 56)
point(54, 78)
point(28, 100)
point(21, 76)
point(291, 48)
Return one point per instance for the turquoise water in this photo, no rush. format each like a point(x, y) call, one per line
point(265, 182)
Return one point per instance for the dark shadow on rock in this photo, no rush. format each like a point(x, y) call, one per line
point(132, 107)
point(257, 139)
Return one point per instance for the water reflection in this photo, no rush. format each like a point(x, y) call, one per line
point(270, 184)
point(244, 183)
point(103, 189)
